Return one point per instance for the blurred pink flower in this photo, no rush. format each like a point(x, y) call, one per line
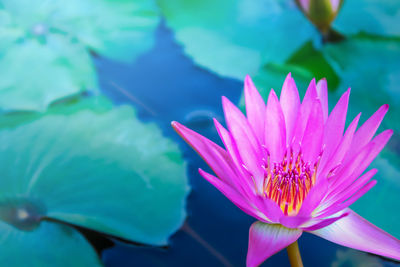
point(292, 166)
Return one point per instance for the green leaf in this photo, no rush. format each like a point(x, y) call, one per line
point(235, 38)
point(45, 45)
point(371, 68)
point(309, 58)
point(67, 106)
point(106, 171)
point(118, 29)
point(35, 74)
point(49, 245)
point(370, 16)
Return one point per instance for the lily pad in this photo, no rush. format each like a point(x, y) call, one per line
point(370, 16)
point(50, 244)
point(45, 45)
point(35, 74)
point(105, 171)
point(98, 104)
point(235, 38)
point(370, 66)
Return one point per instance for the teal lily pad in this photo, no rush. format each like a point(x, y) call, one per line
point(369, 16)
point(51, 244)
point(370, 66)
point(102, 170)
point(98, 104)
point(35, 74)
point(45, 45)
point(235, 38)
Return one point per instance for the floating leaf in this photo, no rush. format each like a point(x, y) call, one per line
point(50, 244)
point(35, 74)
point(98, 104)
point(371, 68)
point(371, 16)
point(118, 29)
point(45, 45)
point(235, 38)
point(309, 58)
point(105, 171)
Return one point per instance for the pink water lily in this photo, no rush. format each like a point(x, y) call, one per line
point(294, 167)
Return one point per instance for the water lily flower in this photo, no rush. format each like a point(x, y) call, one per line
point(320, 12)
point(294, 167)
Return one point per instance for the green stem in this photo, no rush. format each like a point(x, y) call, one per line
point(294, 255)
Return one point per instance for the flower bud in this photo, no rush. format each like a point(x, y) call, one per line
point(320, 12)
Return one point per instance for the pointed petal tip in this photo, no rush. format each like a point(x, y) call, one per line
point(176, 125)
point(321, 82)
point(225, 101)
point(247, 78)
point(383, 109)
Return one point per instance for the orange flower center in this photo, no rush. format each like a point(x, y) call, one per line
point(288, 183)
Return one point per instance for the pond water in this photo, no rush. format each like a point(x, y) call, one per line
point(165, 85)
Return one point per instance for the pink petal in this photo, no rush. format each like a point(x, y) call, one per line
point(355, 232)
point(293, 222)
point(305, 110)
point(328, 162)
point(290, 103)
point(335, 125)
point(352, 188)
point(335, 5)
point(267, 239)
point(322, 91)
point(314, 198)
point(367, 131)
point(312, 139)
point(305, 4)
point(255, 108)
point(247, 144)
point(323, 223)
point(244, 180)
point(338, 206)
point(234, 196)
point(215, 156)
point(275, 133)
point(360, 162)
point(271, 210)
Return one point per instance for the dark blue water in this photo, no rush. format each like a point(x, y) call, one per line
point(165, 85)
